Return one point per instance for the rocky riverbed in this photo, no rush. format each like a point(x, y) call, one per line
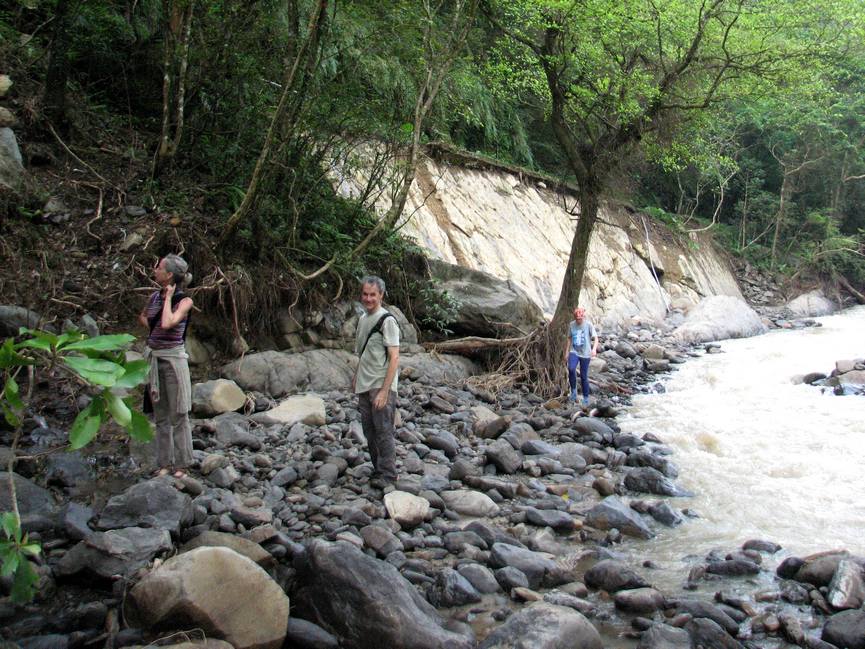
point(505, 528)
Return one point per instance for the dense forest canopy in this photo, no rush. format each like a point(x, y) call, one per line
point(740, 116)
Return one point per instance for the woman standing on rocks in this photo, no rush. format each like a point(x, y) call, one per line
point(580, 350)
point(170, 389)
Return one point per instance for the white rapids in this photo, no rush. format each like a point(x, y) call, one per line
point(767, 458)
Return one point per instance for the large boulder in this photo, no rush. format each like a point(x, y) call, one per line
point(438, 368)
point(155, 503)
point(13, 318)
point(544, 626)
point(717, 318)
point(11, 163)
point(281, 373)
point(224, 593)
point(487, 306)
point(301, 408)
point(33, 501)
point(116, 552)
point(366, 602)
point(215, 397)
point(809, 305)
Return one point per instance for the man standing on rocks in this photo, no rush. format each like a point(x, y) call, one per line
point(375, 382)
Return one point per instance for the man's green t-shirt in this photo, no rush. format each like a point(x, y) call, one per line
point(372, 366)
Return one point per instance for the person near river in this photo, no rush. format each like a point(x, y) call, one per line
point(582, 347)
point(169, 390)
point(375, 381)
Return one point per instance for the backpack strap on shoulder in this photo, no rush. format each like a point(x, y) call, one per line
point(376, 328)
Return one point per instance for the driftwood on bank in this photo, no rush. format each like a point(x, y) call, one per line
point(473, 345)
point(860, 298)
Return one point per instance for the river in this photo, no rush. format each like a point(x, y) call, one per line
point(767, 458)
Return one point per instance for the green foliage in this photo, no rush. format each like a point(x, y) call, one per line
point(97, 363)
point(440, 308)
point(15, 550)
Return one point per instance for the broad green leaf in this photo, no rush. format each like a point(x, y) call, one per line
point(139, 428)
point(108, 343)
point(10, 562)
point(9, 357)
point(8, 523)
point(33, 549)
point(12, 394)
point(99, 372)
point(84, 428)
point(10, 416)
point(135, 374)
point(39, 334)
point(36, 343)
point(118, 409)
point(24, 584)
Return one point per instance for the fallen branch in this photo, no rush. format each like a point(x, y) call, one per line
point(473, 344)
point(843, 282)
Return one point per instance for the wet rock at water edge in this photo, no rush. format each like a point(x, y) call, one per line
point(641, 601)
point(480, 577)
point(649, 480)
point(847, 588)
point(846, 629)
point(612, 513)
point(452, 589)
point(366, 602)
point(707, 633)
point(709, 611)
point(544, 626)
point(248, 608)
point(534, 565)
point(664, 636)
point(612, 576)
point(733, 567)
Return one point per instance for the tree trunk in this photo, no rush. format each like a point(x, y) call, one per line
point(786, 193)
point(54, 96)
point(175, 63)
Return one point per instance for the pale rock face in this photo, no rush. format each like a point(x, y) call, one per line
point(718, 318)
point(809, 305)
point(470, 503)
point(11, 163)
point(406, 509)
point(511, 227)
point(216, 397)
point(302, 408)
point(223, 592)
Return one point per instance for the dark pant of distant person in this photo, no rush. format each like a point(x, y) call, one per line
point(378, 430)
point(584, 373)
